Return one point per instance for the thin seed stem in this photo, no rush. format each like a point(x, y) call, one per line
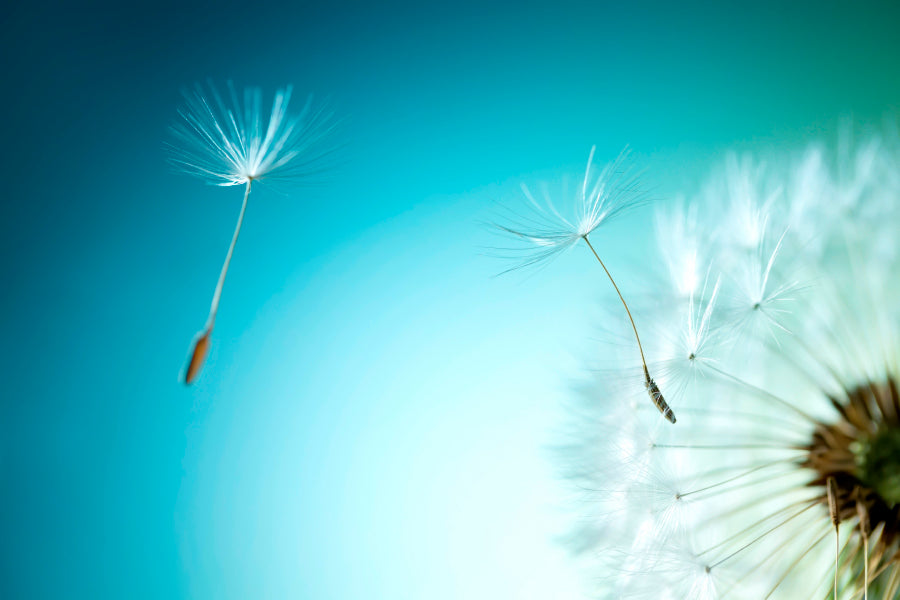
point(763, 393)
point(837, 552)
point(764, 534)
point(863, 516)
point(736, 477)
point(637, 337)
point(652, 389)
point(214, 308)
point(865, 567)
point(200, 345)
point(794, 564)
point(831, 491)
point(729, 446)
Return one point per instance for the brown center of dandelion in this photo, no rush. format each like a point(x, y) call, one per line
point(861, 452)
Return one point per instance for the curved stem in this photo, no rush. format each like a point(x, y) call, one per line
point(637, 337)
point(652, 389)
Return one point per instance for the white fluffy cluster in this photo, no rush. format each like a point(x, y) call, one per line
point(544, 231)
point(778, 286)
point(231, 140)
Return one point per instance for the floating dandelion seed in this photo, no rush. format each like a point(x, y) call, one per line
point(234, 142)
point(783, 479)
point(546, 234)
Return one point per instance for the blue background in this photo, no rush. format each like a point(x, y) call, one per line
point(374, 417)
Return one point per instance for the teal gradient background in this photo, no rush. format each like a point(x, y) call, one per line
point(375, 415)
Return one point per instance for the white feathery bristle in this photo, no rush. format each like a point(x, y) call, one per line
point(231, 140)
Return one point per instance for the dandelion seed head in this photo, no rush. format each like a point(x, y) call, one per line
point(552, 221)
point(777, 337)
point(231, 139)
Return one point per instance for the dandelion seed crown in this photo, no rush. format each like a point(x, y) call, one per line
point(231, 140)
point(775, 331)
point(540, 231)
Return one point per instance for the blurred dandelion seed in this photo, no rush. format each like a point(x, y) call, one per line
point(546, 234)
point(234, 142)
point(794, 435)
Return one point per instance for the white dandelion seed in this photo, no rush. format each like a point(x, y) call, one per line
point(234, 141)
point(544, 233)
point(783, 476)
